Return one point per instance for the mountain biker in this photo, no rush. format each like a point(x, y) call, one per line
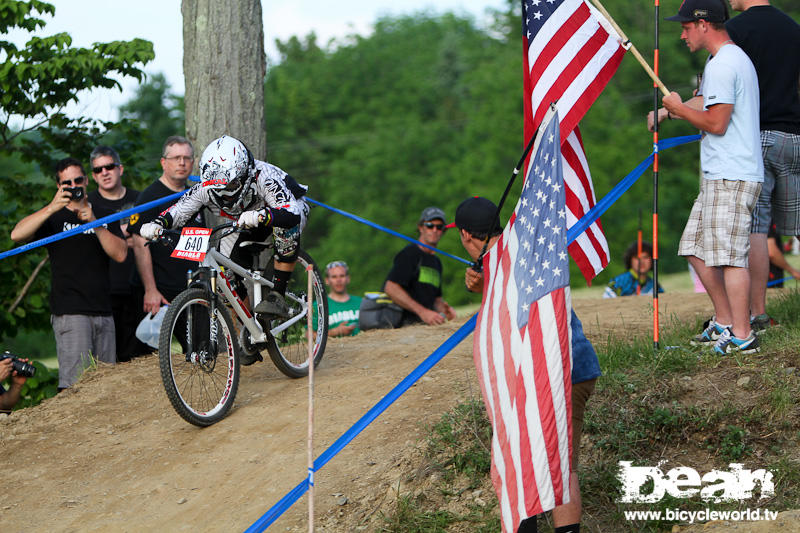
point(258, 196)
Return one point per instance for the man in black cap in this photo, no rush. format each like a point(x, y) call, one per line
point(479, 229)
point(716, 240)
point(415, 281)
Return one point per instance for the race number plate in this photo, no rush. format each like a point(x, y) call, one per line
point(193, 244)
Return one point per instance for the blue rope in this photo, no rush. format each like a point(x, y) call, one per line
point(279, 508)
point(776, 281)
point(89, 225)
point(385, 229)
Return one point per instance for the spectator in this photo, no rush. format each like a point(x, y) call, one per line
point(342, 307)
point(114, 197)
point(415, 280)
point(476, 220)
point(772, 41)
point(10, 397)
point(79, 297)
point(159, 278)
point(716, 239)
point(636, 279)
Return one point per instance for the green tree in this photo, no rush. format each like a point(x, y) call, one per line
point(37, 81)
point(159, 113)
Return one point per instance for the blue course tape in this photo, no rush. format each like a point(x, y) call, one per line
point(279, 508)
point(776, 281)
point(89, 225)
point(96, 223)
point(385, 229)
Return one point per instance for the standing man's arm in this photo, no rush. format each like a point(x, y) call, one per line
point(26, 228)
point(153, 299)
point(696, 102)
point(401, 297)
point(714, 119)
point(114, 246)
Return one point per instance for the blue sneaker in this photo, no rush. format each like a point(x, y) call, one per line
point(727, 343)
point(709, 335)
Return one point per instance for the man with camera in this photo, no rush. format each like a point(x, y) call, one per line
point(80, 304)
point(13, 367)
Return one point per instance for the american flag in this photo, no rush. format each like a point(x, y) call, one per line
point(570, 53)
point(522, 344)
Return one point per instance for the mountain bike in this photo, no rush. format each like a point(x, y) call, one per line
point(200, 344)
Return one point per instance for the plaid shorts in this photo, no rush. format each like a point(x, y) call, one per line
point(779, 200)
point(718, 230)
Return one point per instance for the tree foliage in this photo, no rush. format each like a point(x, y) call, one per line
point(37, 81)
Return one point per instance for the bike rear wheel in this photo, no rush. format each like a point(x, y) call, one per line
point(200, 381)
point(289, 348)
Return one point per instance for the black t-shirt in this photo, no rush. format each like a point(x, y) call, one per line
point(78, 266)
point(119, 273)
point(420, 274)
point(169, 273)
point(771, 40)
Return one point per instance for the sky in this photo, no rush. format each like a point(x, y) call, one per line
point(159, 21)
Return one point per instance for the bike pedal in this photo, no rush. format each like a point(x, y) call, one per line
point(247, 360)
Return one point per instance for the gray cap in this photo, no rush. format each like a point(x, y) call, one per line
point(431, 213)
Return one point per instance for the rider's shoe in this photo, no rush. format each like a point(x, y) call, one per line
point(274, 305)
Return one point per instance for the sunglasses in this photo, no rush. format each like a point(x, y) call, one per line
point(77, 180)
point(109, 167)
point(431, 225)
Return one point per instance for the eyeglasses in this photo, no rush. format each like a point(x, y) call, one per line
point(334, 264)
point(431, 225)
point(78, 180)
point(109, 167)
point(180, 159)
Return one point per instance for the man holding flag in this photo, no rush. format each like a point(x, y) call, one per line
point(522, 339)
point(525, 371)
point(479, 225)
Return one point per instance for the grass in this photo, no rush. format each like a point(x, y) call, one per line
point(684, 405)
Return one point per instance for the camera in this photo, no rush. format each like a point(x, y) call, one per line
point(76, 192)
point(23, 369)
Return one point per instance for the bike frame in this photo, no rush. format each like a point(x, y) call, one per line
point(218, 263)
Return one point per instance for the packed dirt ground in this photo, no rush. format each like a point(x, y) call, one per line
point(110, 454)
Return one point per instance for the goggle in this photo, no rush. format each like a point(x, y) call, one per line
point(109, 167)
point(78, 180)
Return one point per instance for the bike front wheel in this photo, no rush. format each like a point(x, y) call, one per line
point(288, 349)
point(198, 356)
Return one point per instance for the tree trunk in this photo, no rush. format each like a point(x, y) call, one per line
point(224, 66)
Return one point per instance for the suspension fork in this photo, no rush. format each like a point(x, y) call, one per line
point(212, 315)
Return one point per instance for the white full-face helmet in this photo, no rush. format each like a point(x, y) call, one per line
point(226, 166)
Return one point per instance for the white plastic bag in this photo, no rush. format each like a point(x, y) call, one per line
point(148, 329)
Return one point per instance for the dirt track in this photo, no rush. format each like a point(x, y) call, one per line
point(110, 454)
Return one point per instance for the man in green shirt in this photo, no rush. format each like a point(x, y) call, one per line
point(342, 307)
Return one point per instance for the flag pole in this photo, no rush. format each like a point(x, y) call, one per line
point(478, 266)
point(628, 44)
point(310, 272)
point(655, 186)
